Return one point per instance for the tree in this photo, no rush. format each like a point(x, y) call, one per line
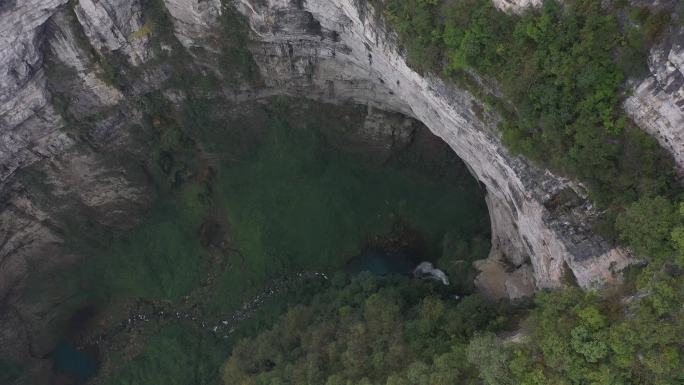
point(646, 226)
point(487, 353)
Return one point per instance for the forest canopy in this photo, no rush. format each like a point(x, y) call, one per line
point(369, 331)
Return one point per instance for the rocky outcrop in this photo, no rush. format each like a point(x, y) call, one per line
point(81, 183)
point(516, 6)
point(337, 50)
point(426, 270)
point(657, 103)
point(329, 50)
point(498, 280)
point(78, 67)
point(194, 21)
point(115, 26)
point(29, 126)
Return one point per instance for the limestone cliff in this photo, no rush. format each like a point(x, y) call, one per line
point(338, 50)
point(115, 25)
point(657, 103)
point(194, 20)
point(516, 6)
point(29, 126)
point(330, 50)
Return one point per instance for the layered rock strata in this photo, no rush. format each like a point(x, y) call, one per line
point(338, 50)
point(657, 103)
point(330, 50)
point(335, 51)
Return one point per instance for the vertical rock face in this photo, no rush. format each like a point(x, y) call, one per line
point(94, 92)
point(194, 20)
point(29, 126)
point(22, 234)
point(657, 104)
point(31, 242)
point(41, 40)
point(115, 26)
point(338, 50)
point(516, 6)
point(331, 50)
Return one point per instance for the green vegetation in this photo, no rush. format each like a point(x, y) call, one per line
point(583, 338)
point(400, 334)
point(396, 332)
point(176, 355)
point(241, 178)
point(236, 59)
point(301, 204)
point(369, 331)
point(182, 354)
point(245, 197)
point(242, 198)
point(647, 225)
point(563, 69)
point(235, 64)
point(160, 261)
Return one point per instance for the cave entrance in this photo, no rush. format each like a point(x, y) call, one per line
point(249, 195)
point(252, 192)
point(314, 186)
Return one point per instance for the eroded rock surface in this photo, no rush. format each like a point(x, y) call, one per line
point(516, 6)
point(329, 50)
point(115, 26)
point(657, 104)
point(29, 126)
point(194, 20)
point(76, 62)
point(337, 50)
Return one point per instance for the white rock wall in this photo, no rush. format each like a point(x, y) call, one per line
point(115, 26)
point(516, 6)
point(29, 126)
point(657, 103)
point(194, 20)
point(63, 45)
point(359, 61)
